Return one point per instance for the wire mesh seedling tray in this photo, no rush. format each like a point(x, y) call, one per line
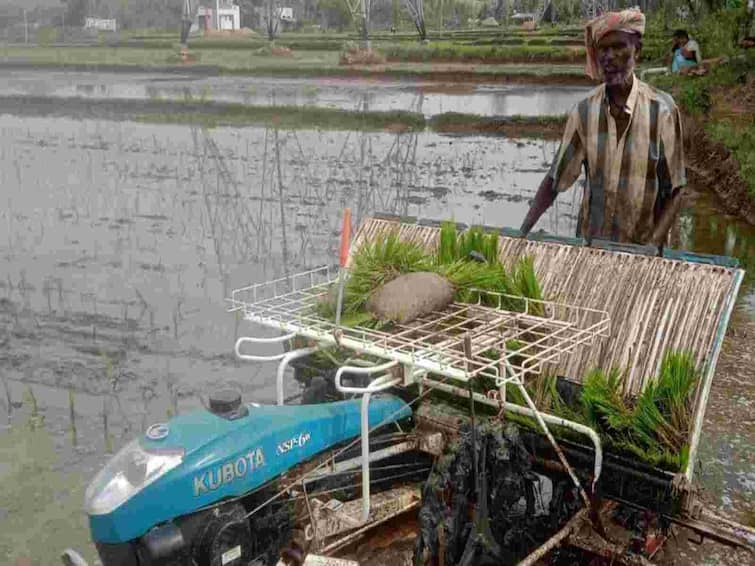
point(465, 340)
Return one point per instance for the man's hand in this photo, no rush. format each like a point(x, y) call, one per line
point(667, 218)
point(543, 200)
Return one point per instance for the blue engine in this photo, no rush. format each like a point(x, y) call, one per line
point(201, 458)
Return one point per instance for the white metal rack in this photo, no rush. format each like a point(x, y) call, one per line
point(462, 342)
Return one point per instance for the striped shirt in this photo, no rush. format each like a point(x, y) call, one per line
point(629, 180)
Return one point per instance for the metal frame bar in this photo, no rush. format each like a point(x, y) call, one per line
point(378, 384)
point(702, 402)
point(283, 365)
point(255, 340)
point(355, 462)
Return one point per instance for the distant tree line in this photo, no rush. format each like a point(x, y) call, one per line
point(336, 14)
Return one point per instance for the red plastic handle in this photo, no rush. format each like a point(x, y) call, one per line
point(345, 237)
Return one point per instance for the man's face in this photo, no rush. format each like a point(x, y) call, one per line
point(617, 55)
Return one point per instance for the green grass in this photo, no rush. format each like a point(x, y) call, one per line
point(41, 505)
point(231, 60)
point(549, 127)
point(453, 246)
point(250, 62)
point(739, 138)
point(656, 426)
point(208, 113)
point(452, 51)
point(379, 262)
point(285, 117)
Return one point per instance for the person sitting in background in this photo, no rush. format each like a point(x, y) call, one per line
point(685, 52)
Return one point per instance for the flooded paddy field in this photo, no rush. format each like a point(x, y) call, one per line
point(120, 241)
point(429, 98)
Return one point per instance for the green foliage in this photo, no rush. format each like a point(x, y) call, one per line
point(453, 246)
point(739, 138)
point(453, 262)
point(603, 402)
point(475, 240)
point(451, 51)
point(382, 260)
point(467, 275)
point(41, 504)
point(285, 117)
point(694, 95)
point(47, 35)
point(447, 243)
point(719, 32)
point(656, 427)
point(525, 284)
point(695, 98)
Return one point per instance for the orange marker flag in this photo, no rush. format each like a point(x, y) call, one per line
point(345, 237)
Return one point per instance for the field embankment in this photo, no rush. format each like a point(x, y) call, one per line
point(213, 114)
point(720, 130)
point(261, 62)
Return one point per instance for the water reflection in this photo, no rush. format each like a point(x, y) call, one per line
point(344, 93)
point(704, 228)
point(161, 222)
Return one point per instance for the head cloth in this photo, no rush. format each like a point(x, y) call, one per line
point(630, 21)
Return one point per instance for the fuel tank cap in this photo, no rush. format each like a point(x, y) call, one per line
point(227, 403)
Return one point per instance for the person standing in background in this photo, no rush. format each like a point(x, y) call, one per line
point(627, 136)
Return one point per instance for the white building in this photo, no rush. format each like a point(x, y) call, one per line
point(285, 14)
point(100, 24)
point(222, 16)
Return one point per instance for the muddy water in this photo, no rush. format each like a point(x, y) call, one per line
point(120, 241)
point(428, 98)
point(126, 238)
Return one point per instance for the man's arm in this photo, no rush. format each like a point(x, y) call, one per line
point(566, 167)
point(672, 174)
point(667, 218)
point(543, 200)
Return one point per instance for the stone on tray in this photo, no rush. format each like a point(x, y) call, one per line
point(410, 296)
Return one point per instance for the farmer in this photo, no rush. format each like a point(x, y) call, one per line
point(627, 135)
point(685, 52)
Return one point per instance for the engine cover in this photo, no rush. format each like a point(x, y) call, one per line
point(200, 459)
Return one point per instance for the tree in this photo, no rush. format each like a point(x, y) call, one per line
point(250, 16)
point(416, 10)
point(272, 19)
point(334, 13)
point(360, 14)
point(76, 11)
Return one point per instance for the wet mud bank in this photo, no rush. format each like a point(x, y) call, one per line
point(711, 164)
point(214, 114)
point(543, 127)
point(531, 73)
point(424, 97)
point(209, 113)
